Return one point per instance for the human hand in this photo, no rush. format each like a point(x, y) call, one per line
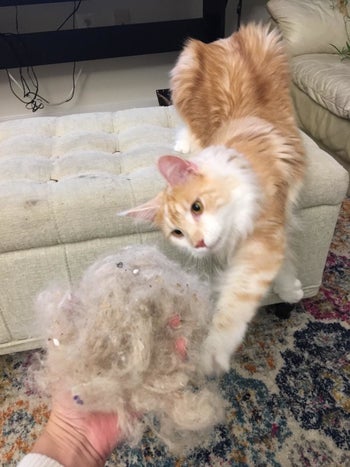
point(76, 437)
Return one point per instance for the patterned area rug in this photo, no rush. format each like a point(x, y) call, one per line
point(289, 389)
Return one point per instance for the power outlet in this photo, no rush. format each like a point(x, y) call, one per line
point(121, 16)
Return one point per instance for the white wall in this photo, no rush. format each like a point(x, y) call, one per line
point(45, 17)
point(103, 85)
point(114, 83)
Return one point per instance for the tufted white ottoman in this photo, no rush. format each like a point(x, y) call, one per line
point(62, 181)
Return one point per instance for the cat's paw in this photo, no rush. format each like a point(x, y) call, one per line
point(291, 293)
point(214, 360)
point(218, 349)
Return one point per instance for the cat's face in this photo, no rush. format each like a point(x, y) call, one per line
point(193, 209)
point(192, 215)
point(201, 211)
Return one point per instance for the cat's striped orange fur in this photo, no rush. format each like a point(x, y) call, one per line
point(234, 198)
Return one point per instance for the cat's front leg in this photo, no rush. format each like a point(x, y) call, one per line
point(227, 332)
point(185, 141)
point(239, 295)
point(219, 347)
point(241, 290)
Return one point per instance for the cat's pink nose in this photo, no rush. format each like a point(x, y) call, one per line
point(201, 244)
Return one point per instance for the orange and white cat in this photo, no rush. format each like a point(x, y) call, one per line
point(234, 198)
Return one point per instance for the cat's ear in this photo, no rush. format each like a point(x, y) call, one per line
point(146, 211)
point(176, 170)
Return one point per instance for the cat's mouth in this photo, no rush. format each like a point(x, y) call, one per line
point(201, 244)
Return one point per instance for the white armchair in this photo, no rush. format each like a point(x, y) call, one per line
point(313, 31)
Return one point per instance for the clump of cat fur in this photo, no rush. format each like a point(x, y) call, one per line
point(111, 343)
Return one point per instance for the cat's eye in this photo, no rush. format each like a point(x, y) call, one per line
point(197, 207)
point(177, 233)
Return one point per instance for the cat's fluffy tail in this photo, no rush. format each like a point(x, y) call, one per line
point(262, 51)
point(261, 43)
point(242, 75)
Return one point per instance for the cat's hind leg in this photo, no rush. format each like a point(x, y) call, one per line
point(286, 284)
point(288, 288)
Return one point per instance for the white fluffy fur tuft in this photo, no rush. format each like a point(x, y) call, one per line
point(228, 164)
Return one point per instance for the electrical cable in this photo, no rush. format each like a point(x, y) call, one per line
point(29, 85)
point(75, 9)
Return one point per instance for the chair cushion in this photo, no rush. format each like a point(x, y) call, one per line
point(309, 26)
point(326, 79)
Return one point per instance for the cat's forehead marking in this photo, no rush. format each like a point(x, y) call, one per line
point(178, 202)
point(171, 213)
